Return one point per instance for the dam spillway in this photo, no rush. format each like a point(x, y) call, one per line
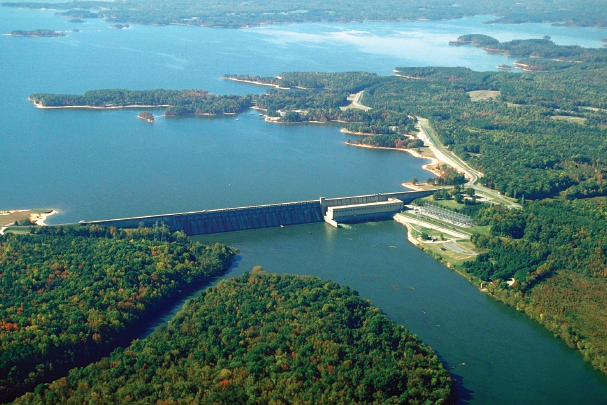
point(254, 217)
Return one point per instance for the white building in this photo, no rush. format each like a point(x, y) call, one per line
point(363, 212)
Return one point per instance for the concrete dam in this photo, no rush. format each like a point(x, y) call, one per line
point(255, 217)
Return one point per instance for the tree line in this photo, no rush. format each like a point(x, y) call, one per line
point(179, 102)
point(235, 14)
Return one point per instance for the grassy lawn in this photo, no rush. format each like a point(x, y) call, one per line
point(449, 204)
point(483, 230)
point(456, 259)
point(481, 95)
point(575, 120)
point(433, 233)
point(19, 230)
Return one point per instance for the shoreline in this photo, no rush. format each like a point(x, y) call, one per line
point(39, 218)
point(418, 244)
point(433, 160)
point(255, 82)
point(347, 131)
point(410, 237)
point(92, 107)
point(40, 105)
point(36, 218)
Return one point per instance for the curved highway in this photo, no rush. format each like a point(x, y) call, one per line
point(426, 134)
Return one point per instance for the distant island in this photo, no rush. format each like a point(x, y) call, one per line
point(37, 33)
point(146, 116)
point(119, 26)
point(533, 48)
point(76, 20)
point(239, 14)
point(77, 14)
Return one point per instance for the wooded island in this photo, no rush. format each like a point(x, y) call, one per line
point(37, 33)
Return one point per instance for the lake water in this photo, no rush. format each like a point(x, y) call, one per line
point(107, 164)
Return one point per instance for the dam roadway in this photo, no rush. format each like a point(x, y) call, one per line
point(254, 217)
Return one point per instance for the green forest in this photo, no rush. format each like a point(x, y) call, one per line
point(263, 338)
point(72, 294)
point(235, 14)
point(179, 102)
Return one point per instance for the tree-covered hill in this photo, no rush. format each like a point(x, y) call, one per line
point(69, 295)
point(544, 134)
point(265, 339)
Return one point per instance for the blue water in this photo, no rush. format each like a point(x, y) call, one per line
point(104, 164)
point(496, 355)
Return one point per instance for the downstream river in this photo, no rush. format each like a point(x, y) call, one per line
point(92, 164)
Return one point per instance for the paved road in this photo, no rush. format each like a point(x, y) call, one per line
point(403, 218)
point(356, 102)
point(443, 154)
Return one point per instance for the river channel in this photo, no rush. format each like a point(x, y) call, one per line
point(107, 164)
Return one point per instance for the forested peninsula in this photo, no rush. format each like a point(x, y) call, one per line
point(534, 48)
point(268, 339)
point(236, 14)
point(72, 294)
point(179, 102)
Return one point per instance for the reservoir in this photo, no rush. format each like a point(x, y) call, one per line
point(93, 164)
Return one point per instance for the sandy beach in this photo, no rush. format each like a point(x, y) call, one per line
point(428, 166)
point(346, 131)
point(8, 218)
point(39, 218)
point(256, 82)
